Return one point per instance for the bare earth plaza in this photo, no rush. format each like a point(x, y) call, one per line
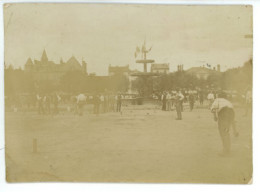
point(135, 146)
point(127, 93)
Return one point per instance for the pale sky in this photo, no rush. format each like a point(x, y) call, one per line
point(106, 34)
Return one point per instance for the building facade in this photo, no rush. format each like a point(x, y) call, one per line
point(203, 72)
point(44, 69)
point(118, 70)
point(160, 68)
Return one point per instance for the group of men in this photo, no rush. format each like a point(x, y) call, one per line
point(177, 98)
point(101, 103)
point(170, 99)
point(220, 106)
point(44, 103)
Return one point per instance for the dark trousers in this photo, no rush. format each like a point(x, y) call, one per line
point(225, 121)
point(178, 110)
point(191, 106)
point(80, 108)
point(118, 107)
point(164, 105)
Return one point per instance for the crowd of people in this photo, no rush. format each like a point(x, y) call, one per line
point(102, 103)
point(217, 101)
point(173, 100)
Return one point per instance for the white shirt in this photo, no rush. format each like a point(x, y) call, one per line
point(38, 97)
point(168, 96)
point(81, 97)
point(102, 98)
point(220, 103)
point(180, 95)
point(210, 96)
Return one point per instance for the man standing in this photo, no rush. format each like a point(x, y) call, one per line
point(210, 98)
point(164, 100)
point(191, 101)
point(102, 102)
point(201, 98)
point(96, 102)
point(56, 99)
point(40, 103)
point(119, 103)
point(224, 113)
point(81, 100)
point(179, 99)
point(48, 104)
point(168, 101)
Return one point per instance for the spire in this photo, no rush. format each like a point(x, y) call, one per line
point(44, 56)
point(29, 61)
point(29, 64)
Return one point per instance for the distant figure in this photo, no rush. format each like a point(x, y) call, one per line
point(56, 100)
point(112, 101)
point(96, 102)
point(102, 102)
point(74, 105)
point(210, 98)
point(168, 102)
point(47, 101)
point(201, 97)
point(191, 101)
point(119, 103)
point(224, 113)
point(106, 103)
point(248, 99)
point(179, 99)
point(184, 97)
point(164, 100)
point(40, 104)
point(81, 101)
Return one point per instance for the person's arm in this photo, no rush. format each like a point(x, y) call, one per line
point(214, 109)
point(181, 97)
point(215, 115)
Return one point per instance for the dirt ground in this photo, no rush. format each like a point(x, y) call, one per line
point(143, 144)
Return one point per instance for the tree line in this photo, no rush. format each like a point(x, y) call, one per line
point(18, 81)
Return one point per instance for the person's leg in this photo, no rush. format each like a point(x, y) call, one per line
point(178, 110)
point(180, 115)
point(226, 137)
point(224, 125)
point(164, 105)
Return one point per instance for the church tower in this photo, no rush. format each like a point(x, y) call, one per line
point(44, 58)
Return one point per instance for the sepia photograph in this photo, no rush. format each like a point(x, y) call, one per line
point(128, 93)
